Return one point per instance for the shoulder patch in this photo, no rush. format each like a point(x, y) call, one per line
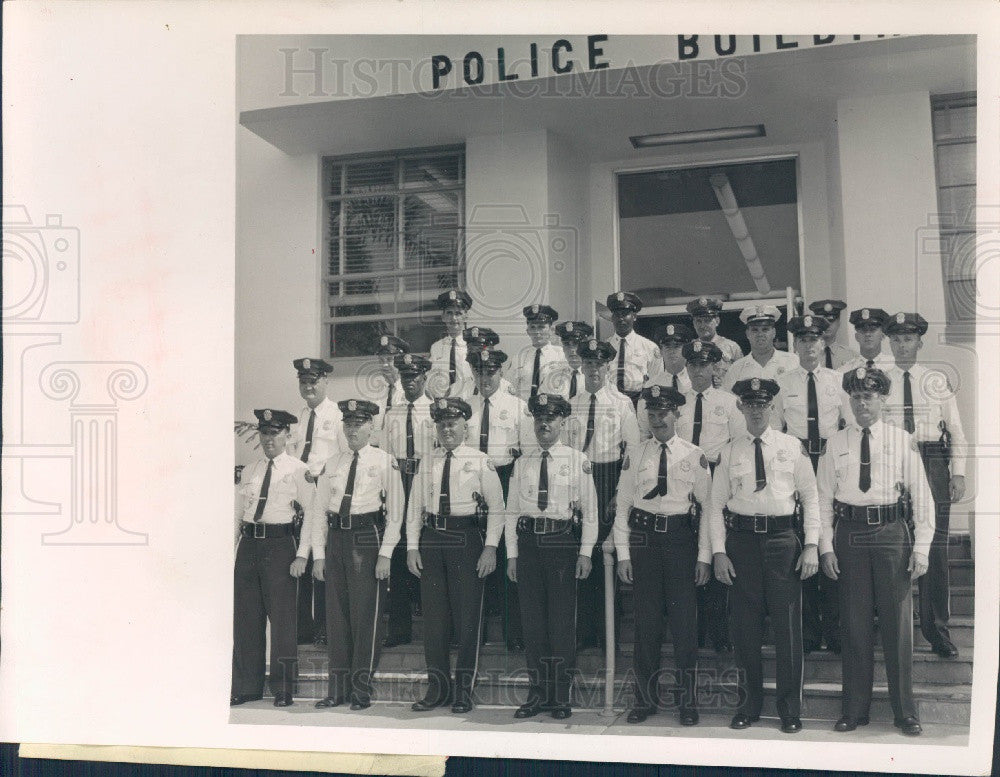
point(587, 469)
point(490, 464)
point(625, 463)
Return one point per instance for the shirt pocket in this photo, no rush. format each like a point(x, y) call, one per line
point(784, 474)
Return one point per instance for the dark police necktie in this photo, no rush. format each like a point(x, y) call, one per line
point(536, 370)
point(345, 503)
point(444, 498)
point(812, 415)
point(865, 475)
point(696, 434)
point(870, 363)
point(590, 422)
point(620, 379)
point(388, 398)
point(452, 374)
point(907, 403)
point(660, 489)
point(484, 427)
point(758, 463)
point(264, 486)
point(673, 382)
point(309, 435)
point(543, 483)
point(829, 357)
point(409, 431)
point(572, 385)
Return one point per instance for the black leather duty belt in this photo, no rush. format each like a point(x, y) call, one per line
point(758, 523)
point(265, 531)
point(642, 520)
point(870, 515)
point(353, 521)
point(450, 522)
point(541, 524)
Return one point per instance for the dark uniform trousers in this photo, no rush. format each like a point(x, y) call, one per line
point(590, 593)
point(452, 592)
point(663, 565)
point(713, 608)
point(546, 580)
point(820, 602)
point(264, 590)
point(500, 591)
point(935, 604)
point(404, 586)
point(873, 574)
point(767, 584)
point(354, 604)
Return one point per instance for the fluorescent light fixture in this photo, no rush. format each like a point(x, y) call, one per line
point(698, 136)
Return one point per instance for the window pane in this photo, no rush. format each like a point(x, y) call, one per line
point(355, 338)
point(419, 333)
point(957, 206)
point(955, 123)
point(961, 299)
point(433, 171)
point(332, 173)
point(676, 241)
point(370, 235)
point(371, 176)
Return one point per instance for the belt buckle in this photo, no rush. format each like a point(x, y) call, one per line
point(440, 522)
point(342, 524)
point(259, 531)
point(656, 523)
point(538, 525)
point(759, 523)
point(877, 510)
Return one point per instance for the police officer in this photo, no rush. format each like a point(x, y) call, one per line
point(671, 338)
point(866, 544)
point(551, 484)
point(568, 379)
point(709, 418)
point(449, 374)
point(664, 550)
point(534, 367)
point(454, 553)
point(867, 323)
point(638, 357)
point(480, 338)
point(387, 349)
point(922, 402)
point(500, 427)
point(757, 551)
point(358, 513)
point(313, 441)
point(267, 564)
point(705, 317)
point(764, 360)
point(834, 355)
point(808, 406)
point(408, 436)
point(602, 426)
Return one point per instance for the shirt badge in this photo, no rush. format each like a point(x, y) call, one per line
point(781, 455)
point(564, 471)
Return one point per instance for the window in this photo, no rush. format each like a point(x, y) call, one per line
point(393, 241)
point(728, 229)
point(954, 119)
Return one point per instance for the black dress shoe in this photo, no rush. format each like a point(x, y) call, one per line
point(810, 646)
point(429, 703)
point(741, 721)
point(283, 700)
point(909, 726)
point(561, 712)
point(329, 701)
point(393, 641)
point(528, 710)
point(849, 724)
point(515, 645)
point(833, 645)
point(723, 646)
point(639, 713)
point(791, 725)
point(585, 643)
point(242, 698)
point(360, 704)
point(946, 649)
point(689, 717)
point(461, 706)
point(320, 639)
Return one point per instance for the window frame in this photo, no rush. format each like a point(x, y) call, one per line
point(400, 191)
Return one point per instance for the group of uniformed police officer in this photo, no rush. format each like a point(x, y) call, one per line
point(724, 483)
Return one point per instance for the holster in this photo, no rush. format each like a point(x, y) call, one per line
point(694, 510)
point(297, 522)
